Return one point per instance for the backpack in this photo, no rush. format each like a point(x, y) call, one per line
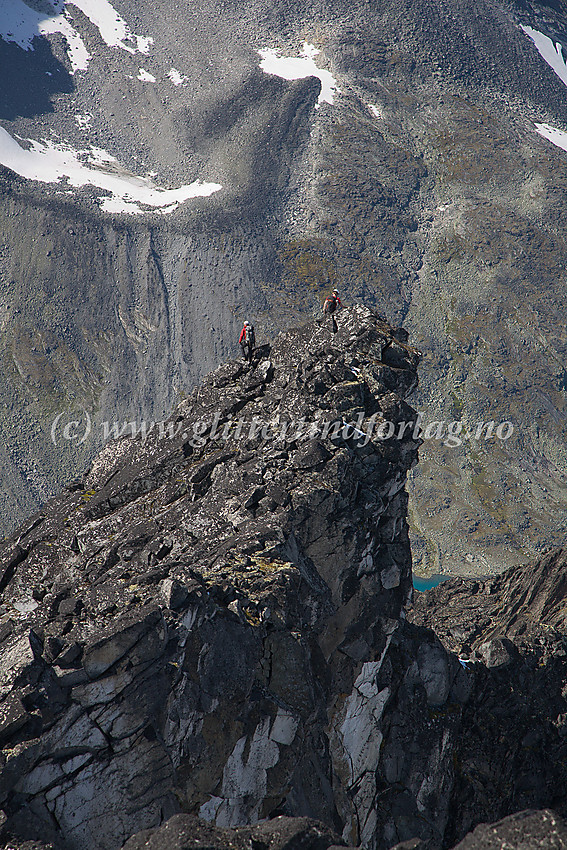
point(330, 305)
point(249, 338)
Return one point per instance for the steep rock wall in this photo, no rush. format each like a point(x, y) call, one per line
point(510, 634)
point(212, 623)
point(123, 321)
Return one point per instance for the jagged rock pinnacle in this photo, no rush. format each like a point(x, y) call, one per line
point(209, 607)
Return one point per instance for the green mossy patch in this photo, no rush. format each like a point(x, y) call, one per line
point(306, 263)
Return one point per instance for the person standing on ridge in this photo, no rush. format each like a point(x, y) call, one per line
point(331, 305)
point(247, 341)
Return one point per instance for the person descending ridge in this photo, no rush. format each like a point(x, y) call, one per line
point(247, 341)
point(331, 305)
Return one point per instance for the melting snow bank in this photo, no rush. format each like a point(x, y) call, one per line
point(20, 24)
point(290, 68)
point(113, 29)
point(176, 78)
point(550, 51)
point(50, 163)
point(558, 137)
point(145, 76)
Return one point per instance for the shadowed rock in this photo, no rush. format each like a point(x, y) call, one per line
point(210, 619)
point(523, 831)
point(509, 632)
point(183, 832)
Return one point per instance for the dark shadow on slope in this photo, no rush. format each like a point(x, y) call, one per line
point(29, 80)
point(511, 632)
point(513, 751)
point(262, 352)
point(261, 129)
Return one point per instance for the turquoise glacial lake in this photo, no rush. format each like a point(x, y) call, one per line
point(422, 584)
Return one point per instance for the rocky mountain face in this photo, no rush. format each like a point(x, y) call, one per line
point(207, 619)
point(412, 175)
point(510, 633)
point(208, 629)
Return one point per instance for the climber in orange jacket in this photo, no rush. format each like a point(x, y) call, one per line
point(331, 305)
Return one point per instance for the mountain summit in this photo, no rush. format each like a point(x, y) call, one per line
point(203, 619)
point(210, 622)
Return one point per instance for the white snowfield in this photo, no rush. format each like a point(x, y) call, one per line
point(113, 29)
point(50, 163)
point(558, 137)
point(21, 24)
point(176, 78)
point(550, 51)
point(297, 68)
point(145, 76)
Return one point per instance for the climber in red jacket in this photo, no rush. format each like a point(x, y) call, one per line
point(247, 341)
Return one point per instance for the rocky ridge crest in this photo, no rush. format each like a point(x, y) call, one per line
point(211, 622)
point(209, 625)
point(424, 189)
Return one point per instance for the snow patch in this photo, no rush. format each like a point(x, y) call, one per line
point(144, 43)
point(176, 78)
point(296, 68)
point(145, 76)
point(551, 51)
point(557, 137)
point(21, 24)
point(84, 121)
point(113, 29)
point(50, 163)
point(98, 156)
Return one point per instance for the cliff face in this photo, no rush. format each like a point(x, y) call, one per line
point(423, 188)
point(207, 620)
point(211, 621)
point(102, 324)
point(510, 633)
